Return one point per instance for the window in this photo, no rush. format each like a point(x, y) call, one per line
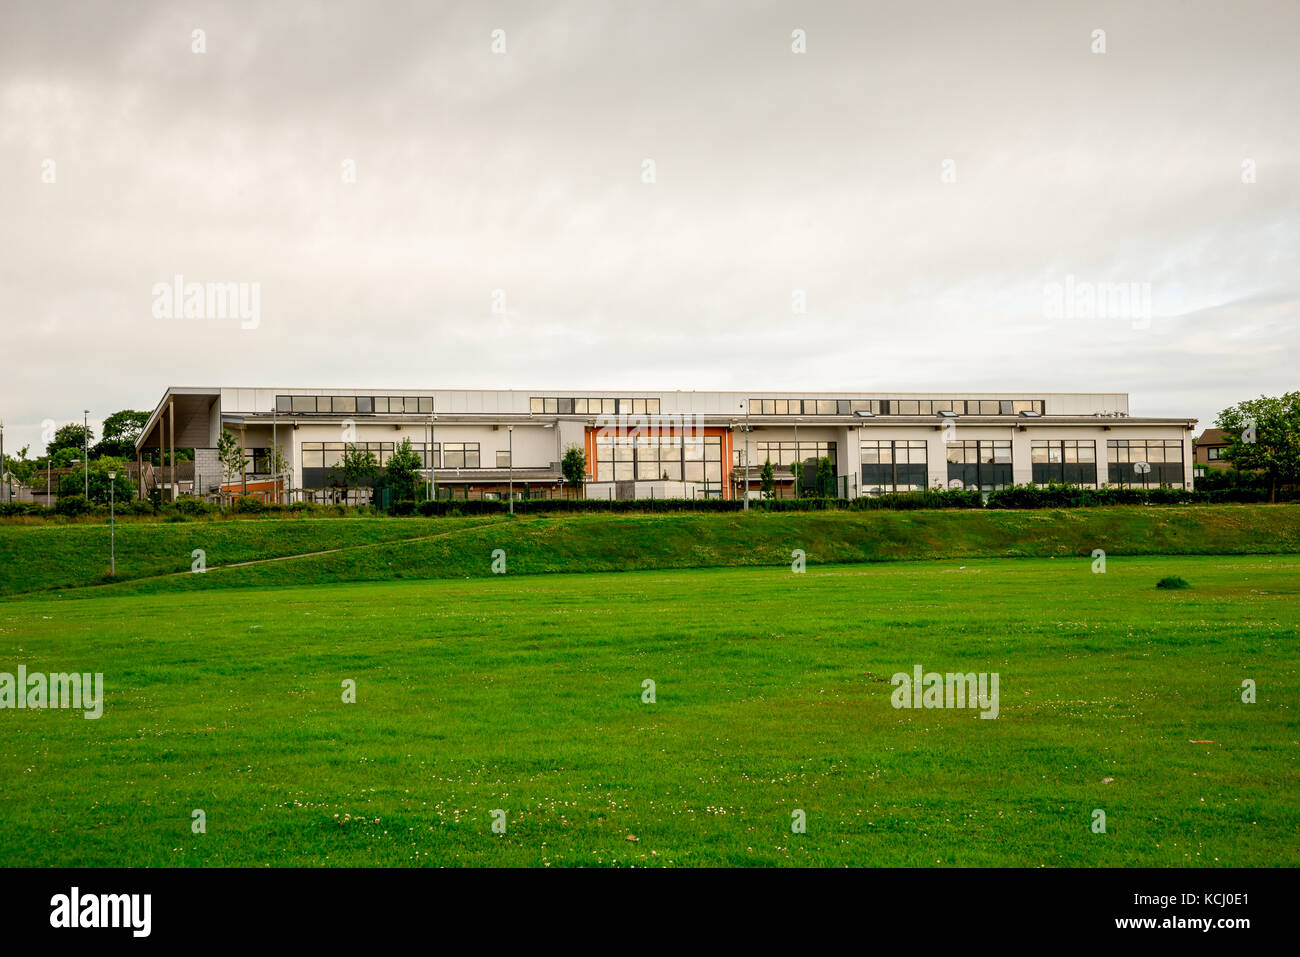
point(503, 458)
point(345, 403)
point(566, 405)
point(983, 464)
point(283, 403)
point(304, 403)
point(894, 466)
point(365, 404)
point(1216, 454)
point(1072, 461)
point(1144, 462)
point(785, 456)
point(670, 458)
point(460, 455)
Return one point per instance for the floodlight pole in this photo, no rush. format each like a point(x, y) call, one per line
point(85, 445)
point(3, 474)
point(510, 433)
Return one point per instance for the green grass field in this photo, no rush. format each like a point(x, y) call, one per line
point(154, 557)
point(523, 693)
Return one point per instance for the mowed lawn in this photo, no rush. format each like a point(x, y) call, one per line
point(524, 693)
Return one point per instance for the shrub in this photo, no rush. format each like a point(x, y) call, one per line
point(15, 509)
point(188, 505)
point(249, 505)
point(1172, 581)
point(73, 505)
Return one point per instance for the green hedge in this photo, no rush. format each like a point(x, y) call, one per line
point(1015, 497)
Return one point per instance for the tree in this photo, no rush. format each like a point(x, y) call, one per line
point(358, 466)
point(402, 473)
point(101, 487)
point(71, 436)
point(1265, 434)
point(574, 466)
point(768, 479)
point(21, 468)
point(825, 476)
point(231, 456)
point(121, 430)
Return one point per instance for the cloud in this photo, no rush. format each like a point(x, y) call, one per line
point(522, 172)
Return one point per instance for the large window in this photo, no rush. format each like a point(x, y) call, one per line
point(782, 453)
point(812, 406)
point(673, 458)
point(894, 406)
point(559, 405)
point(1163, 458)
point(460, 455)
point(983, 464)
point(1072, 461)
point(894, 465)
point(322, 455)
point(353, 404)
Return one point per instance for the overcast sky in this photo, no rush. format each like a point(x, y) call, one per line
point(921, 176)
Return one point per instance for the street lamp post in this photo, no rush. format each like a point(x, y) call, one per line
point(436, 452)
point(510, 461)
point(3, 474)
point(112, 522)
point(798, 470)
point(85, 442)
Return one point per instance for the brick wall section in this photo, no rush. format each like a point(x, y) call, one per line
point(207, 469)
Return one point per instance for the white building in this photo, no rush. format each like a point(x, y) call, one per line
point(672, 444)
